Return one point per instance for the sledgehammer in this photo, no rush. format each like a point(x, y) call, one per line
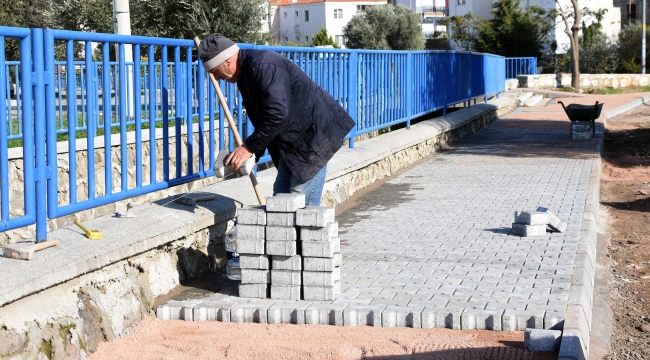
point(233, 127)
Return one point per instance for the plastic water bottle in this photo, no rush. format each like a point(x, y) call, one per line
point(233, 272)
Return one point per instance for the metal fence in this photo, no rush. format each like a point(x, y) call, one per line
point(520, 66)
point(164, 93)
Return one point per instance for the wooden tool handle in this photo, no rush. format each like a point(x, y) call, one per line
point(45, 244)
point(233, 127)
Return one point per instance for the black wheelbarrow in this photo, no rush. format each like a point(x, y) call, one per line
point(583, 113)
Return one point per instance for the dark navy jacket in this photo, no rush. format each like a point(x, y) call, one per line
point(294, 118)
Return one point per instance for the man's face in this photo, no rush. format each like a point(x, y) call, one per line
point(226, 71)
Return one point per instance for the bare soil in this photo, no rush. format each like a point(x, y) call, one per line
point(625, 192)
point(156, 339)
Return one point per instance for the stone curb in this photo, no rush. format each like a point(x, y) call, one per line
point(577, 324)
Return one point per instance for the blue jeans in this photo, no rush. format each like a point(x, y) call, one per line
point(285, 182)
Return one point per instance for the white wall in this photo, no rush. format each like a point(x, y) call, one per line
point(321, 14)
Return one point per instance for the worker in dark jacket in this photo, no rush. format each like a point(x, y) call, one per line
point(300, 124)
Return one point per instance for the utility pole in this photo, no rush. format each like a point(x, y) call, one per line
point(122, 21)
point(643, 43)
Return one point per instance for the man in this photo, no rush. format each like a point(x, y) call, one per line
point(300, 124)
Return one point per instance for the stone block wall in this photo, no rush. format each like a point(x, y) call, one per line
point(69, 320)
point(586, 80)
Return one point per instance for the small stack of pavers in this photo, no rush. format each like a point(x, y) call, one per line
point(288, 251)
point(534, 223)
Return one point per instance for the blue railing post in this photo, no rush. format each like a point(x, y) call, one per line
point(352, 92)
point(409, 88)
point(39, 122)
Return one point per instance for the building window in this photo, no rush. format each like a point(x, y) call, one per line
point(297, 38)
point(338, 13)
point(339, 39)
point(461, 2)
point(631, 10)
point(306, 15)
point(362, 8)
point(286, 39)
point(285, 14)
point(296, 14)
point(307, 39)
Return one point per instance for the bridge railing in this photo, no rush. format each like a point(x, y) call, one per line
point(164, 116)
point(520, 66)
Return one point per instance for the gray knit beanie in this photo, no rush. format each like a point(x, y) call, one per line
point(215, 49)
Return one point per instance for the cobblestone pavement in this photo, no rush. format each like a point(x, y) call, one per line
point(433, 246)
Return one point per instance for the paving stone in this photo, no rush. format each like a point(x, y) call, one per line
point(315, 216)
point(292, 312)
point(253, 247)
point(480, 319)
point(321, 293)
point(286, 262)
point(282, 248)
point(321, 264)
point(281, 219)
point(285, 202)
point(281, 233)
point(285, 292)
point(259, 291)
point(436, 317)
point(253, 276)
point(538, 340)
point(363, 315)
point(223, 313)
point(252, 215)
point(206, 311)
point(325, 314)
point(528, 230)
point(286, 277)
point(517, 320)
point(250, 232)
point(554, 320)
point(402, 316)
point(249, 313)
point(553, 221)
point(323, 249)
point(253, 261)
point(321, 278)
point(531, 217)
point(325, 233)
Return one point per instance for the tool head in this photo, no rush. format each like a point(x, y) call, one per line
point(221, 170)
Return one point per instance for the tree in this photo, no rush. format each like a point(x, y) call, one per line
point(629, 48)
point(322, 38)
point(514, 32)
point(384, 28)
point(573, 32)
point(597, 53)
point(238, 20)
point(22, 13)
point(462, 30)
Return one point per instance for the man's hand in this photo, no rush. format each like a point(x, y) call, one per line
point(238, 157)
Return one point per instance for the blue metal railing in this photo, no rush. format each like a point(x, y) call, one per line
point(164, 90)
point(520, 66)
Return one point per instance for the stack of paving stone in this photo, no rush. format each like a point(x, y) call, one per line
point(288, 251)
point(321, 252)
point(534, 223)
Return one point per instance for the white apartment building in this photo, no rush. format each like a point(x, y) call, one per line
point(431, 12)
point(483, 8)
point(299, 20)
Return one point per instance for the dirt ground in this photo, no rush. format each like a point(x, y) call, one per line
point(156, 339)
point(625, 190)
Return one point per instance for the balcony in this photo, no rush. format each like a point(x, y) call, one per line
point(432, 11)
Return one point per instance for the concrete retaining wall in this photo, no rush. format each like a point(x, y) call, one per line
point(586, 80)
point(67, 300)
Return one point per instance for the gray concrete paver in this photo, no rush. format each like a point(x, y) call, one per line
point(439, 236)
